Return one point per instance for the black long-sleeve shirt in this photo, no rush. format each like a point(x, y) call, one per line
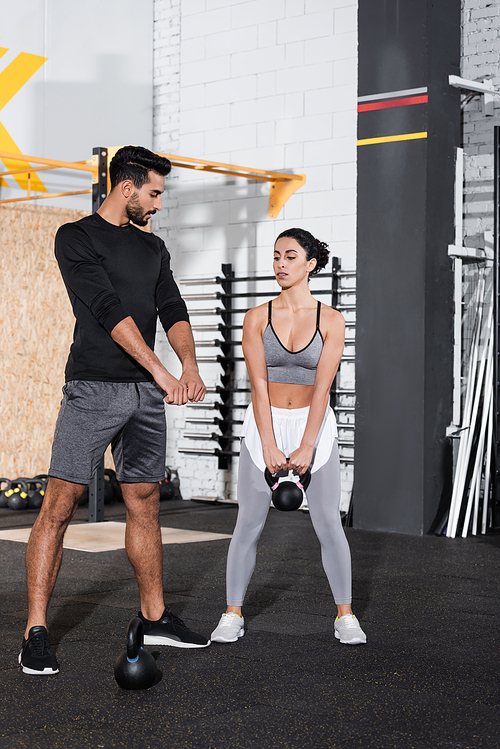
point(113, 272)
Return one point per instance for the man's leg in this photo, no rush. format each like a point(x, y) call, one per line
point(143, 545)
point(43, 560)
point(139, 454)
point(145, 552)
point(45, 546)
point(91, 413)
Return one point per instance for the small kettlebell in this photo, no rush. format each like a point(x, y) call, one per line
point(167, 490)
point(36, 493)
point(136, 668)
point(287, 495)
point(17, 494)
point(3, 498)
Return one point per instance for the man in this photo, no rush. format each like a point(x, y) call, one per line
point(119, 281)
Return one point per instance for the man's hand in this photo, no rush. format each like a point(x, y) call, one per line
point(177, 393)
point(189, 387)
point(195, 386)
point(128, 336)
point(180, 337)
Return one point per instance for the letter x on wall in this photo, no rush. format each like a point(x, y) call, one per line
point(12, 79)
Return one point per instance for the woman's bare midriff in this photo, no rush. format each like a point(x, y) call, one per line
point(290, 396)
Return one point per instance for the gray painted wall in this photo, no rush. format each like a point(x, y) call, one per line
point(95, 88)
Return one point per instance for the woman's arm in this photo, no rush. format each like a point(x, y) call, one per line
point(253, 351)
point(333, 328)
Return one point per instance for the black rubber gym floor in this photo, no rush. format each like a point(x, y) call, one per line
point(428, 677)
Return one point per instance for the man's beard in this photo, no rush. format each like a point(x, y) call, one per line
point(135, 212)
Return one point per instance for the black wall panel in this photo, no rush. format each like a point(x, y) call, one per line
point(404, 276)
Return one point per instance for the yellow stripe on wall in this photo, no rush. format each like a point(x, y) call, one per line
point(391, 138)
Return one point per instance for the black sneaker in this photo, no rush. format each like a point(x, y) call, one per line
point(35, 656)
point(170, 630)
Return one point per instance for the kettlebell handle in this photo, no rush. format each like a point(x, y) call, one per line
point(135, 639)
point(21, 483)
point(271, 479)
point(302, 483)
point(305, 479)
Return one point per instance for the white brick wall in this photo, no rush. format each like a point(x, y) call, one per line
point(266, 85)
point(480, 60)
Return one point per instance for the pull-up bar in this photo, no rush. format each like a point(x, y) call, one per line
point(282, 186)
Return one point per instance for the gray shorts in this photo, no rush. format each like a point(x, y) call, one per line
point(129, 415)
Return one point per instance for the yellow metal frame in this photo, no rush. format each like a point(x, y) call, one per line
point(84, 166)
point(282, 186)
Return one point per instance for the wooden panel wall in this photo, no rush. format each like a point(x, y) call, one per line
point(36, 324)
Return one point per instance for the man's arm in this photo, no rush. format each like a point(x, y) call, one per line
point(127, 335)
point(180, 337)
point(85, 277)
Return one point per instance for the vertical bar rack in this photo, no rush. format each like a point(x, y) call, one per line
point(99, 192)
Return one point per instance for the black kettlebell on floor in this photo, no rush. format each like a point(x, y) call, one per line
point(3, 493)
point(167, 489)
point(17, 495)
point(136, 668)
point(287, 495)
point(36, 493)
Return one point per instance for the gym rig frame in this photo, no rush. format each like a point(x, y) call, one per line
point(282, 186)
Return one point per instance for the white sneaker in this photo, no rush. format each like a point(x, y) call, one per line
point(348, 631)
point(229, 628)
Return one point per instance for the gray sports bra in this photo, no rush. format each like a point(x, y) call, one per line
point(291, 367)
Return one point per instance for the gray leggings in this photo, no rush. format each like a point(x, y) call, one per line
point(323, 497)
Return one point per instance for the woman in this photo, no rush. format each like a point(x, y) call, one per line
point(292, 348)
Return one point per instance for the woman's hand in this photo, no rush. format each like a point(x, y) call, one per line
point(274, 459)
point(301, 459)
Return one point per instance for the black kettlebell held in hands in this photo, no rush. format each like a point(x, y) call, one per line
point(136, 668)
point(287, 495)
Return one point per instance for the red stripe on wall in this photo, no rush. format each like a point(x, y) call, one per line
point(393, 103)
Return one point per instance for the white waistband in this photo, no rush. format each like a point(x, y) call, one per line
point(288, 426)
point(290, 413)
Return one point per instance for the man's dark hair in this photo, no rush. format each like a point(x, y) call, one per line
point(135, 163)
